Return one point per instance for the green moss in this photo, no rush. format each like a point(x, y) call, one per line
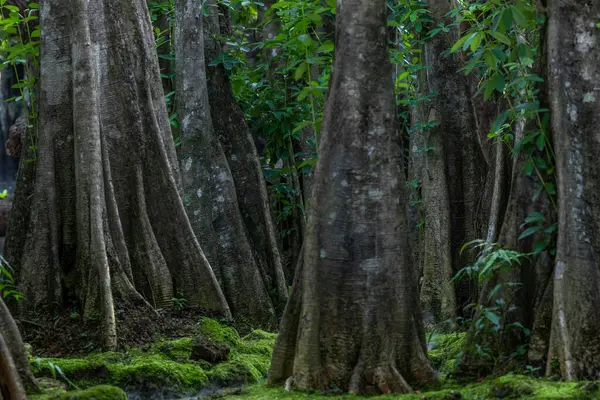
point(246, 368)
point(96, 393)
point(158, 372)
point(177, 350)
point(511, 386)
point(521, 387)
point(219, 333)
point(258, 342)
point(444, 349)
point(166, 365)
point(81, 369)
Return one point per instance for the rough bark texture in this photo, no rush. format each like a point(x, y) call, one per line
point(454, 177)
point(574, 73)
point(353, 320)
point(107, 216)
point(237, 143)
point(14, 352)
point(211, 198)
point(11, 387)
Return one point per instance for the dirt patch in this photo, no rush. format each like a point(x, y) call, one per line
point(69, 334)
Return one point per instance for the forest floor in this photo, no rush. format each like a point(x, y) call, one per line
point(163, 370)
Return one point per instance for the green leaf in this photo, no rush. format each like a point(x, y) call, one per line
point(300, 71)
point(476, 41)
point(540, 245)
point(490, 60)
point(492, 317)
point(528, 167)
point(489, 89)
point(530, 231)
point(326, 47)
point(501, 38)
point(519, 18)
point(459, 43)
point(499, 82)
point(535, 216)
point(506, 20)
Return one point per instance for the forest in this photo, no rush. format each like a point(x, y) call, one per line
point(293, 199)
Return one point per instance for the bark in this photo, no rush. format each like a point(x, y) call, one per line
point(8, 164)
point(11, 387)
point(107, 216)
point(574, 70)
point(416, 166)
point(235, 138)
point(20, 213)
point(212, 206)
point(13, 353)
point(454, 177)
point(353, 320)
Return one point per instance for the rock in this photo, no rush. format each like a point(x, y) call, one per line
point(102, 392)
point(207, 350)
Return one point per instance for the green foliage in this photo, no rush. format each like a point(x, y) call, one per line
point(179, 302)
point(491, 318)
point(503, 47)
point(444, 350)
point(19, 46)
point(7, 282)
point(280, 83)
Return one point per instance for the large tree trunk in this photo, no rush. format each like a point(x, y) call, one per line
point(454, 177)
point(208, 182)
point(235, 138)
point(574, 73)
point(107, 215)
point(13, 353)
point(11, 387)
point(353, 321)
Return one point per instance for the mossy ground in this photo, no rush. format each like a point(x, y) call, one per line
point(165, 367)
point(506, 387)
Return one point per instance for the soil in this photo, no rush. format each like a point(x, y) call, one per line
point(69, 334)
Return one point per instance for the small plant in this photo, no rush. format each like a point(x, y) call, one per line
point(179, 302)
point(55, 370)
point(7, 282)
point(75, 315)
point(531, 370)
point(492, 317)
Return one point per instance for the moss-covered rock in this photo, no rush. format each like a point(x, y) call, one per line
point(511, 386)
point(166, 365)
point(103, 392)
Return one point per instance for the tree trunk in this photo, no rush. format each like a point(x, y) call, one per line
point(574, 72)
point(11, 387)
point(353, 320)
point(454, 177)
point(208, 182)
point(107, 215)
point(235, 138)
point(12, 351)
